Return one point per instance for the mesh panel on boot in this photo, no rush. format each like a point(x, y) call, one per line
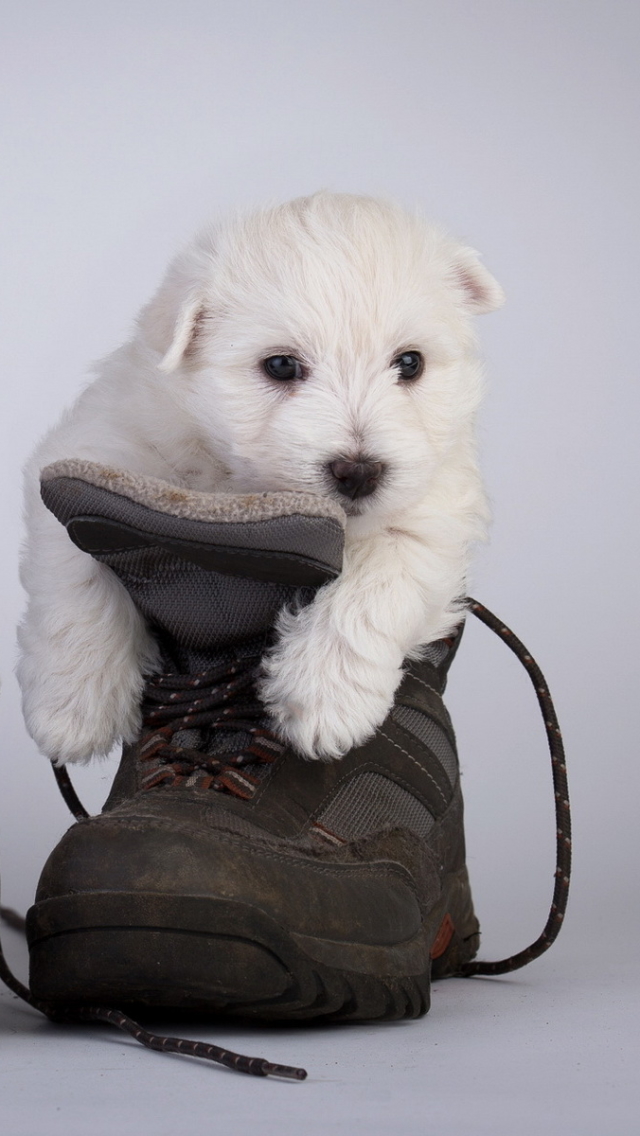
point(369, 803)
point(431, 735)
point(197, 608)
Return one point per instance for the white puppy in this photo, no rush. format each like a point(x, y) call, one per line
point(323, 345)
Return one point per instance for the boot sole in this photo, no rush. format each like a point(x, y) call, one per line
point(209, 955)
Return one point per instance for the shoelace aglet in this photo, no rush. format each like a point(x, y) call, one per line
point(288, 1071)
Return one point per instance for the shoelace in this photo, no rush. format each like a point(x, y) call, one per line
point(562, 877)
point(156, 703)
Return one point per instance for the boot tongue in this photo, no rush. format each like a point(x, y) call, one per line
point(209, 571)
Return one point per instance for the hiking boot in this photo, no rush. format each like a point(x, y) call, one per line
point(226, 873)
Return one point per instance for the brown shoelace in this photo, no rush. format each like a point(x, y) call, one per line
point(558, 907)
point(181, 762)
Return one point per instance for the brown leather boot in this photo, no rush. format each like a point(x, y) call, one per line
point(225, 873)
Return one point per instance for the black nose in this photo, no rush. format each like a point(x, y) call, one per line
point(355, 478)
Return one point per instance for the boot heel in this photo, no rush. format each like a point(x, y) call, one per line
point(458, 936)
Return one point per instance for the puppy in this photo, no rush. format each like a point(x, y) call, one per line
point(323, 345)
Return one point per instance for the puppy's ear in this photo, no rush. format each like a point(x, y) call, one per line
point(480, 291)
point(172, 319)
point(190, 316)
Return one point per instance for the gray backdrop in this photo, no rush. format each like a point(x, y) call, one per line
point(127, 124)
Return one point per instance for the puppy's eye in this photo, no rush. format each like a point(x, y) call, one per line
point(283, 367)
point(409, 365)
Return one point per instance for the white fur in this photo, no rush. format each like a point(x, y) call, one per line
point(345, 283)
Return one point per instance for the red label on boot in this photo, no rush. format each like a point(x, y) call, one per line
point(443, 938)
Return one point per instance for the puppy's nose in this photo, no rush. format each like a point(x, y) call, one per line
point(355, 478)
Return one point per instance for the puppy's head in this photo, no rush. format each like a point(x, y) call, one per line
point(325, 345)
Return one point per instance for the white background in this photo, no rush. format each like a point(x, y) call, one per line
point(127, 124)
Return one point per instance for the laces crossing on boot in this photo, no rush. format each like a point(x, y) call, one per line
point(221, 700)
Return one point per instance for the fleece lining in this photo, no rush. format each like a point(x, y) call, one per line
point(192, 504)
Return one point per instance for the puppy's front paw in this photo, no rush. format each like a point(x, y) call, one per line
point(324, 697)
point(74, 716)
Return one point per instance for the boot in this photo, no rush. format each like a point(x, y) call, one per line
point(225, 873)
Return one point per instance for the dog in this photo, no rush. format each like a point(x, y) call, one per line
point(324, 345)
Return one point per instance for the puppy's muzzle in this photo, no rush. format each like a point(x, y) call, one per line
point(355, 478)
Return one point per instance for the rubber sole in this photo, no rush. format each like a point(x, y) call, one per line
point(209, 955)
